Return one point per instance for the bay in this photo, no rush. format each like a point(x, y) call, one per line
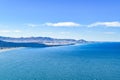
point(96, 61)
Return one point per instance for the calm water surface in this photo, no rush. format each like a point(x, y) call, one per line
point(98, 61)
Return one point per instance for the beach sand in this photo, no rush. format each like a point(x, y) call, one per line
point(7, 49)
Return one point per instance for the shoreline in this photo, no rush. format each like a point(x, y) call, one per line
point(8, 49)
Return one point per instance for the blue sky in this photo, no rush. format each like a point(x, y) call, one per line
point(96, 20)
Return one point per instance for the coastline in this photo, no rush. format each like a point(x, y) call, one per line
point(8, 49)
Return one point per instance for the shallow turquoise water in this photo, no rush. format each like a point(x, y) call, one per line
point(99, 61)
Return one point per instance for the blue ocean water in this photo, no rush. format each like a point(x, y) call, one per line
point(97, 61)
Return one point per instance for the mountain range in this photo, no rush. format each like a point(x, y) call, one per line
point(37, 41)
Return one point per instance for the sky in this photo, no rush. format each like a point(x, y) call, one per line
point(93, 20)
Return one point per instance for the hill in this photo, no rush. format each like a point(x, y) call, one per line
point(4, 44)
point(42, 40)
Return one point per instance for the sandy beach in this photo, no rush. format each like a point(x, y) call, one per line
point(6, 49)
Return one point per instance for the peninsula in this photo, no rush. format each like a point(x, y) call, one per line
point(10, 42)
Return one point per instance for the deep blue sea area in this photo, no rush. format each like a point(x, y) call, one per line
point(95, 61)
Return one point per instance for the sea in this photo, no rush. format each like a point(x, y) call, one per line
point(93, 61)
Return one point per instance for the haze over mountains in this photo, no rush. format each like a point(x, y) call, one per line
point(36, 41)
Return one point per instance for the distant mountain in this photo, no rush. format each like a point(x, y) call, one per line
point(42, 40)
